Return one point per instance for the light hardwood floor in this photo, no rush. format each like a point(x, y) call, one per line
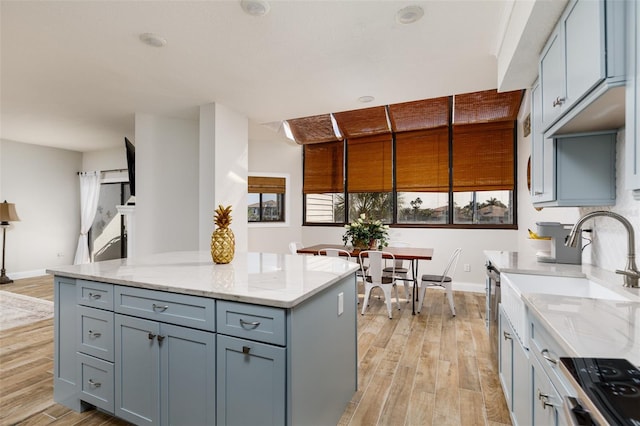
point(427, 369)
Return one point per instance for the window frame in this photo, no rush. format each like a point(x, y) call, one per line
point(286, 202)
point(451, 207)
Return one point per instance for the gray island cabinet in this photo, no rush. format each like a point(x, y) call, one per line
point(173, 339)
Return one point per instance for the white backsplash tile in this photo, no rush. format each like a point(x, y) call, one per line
point(609, 248)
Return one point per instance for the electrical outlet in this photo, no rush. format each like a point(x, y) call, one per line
point(340, 303)
point(467, 267)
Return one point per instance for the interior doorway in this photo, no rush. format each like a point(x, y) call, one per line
point(108, 234)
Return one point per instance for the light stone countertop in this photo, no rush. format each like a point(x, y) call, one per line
point(516, 263)
point(278, 280)
point(584, 327)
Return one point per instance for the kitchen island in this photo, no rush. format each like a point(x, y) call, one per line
point(175, 339)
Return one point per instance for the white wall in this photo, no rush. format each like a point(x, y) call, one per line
point(107, 159)
point(271, 152)
point(166, 184)
point(224, 151)
point(43, 184)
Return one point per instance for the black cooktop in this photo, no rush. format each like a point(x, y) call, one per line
point(612, 385)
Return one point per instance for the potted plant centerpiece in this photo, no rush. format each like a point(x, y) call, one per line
point(366, 234)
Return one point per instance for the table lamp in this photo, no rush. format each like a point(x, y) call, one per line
point(7, 214)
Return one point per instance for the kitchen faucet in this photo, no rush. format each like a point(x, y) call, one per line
point(630, 272)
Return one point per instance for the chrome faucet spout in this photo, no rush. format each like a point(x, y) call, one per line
point(630, 272)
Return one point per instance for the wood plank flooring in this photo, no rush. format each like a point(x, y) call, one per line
point(427, 369)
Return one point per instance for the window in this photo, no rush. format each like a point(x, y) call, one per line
point(266, 199)
point(443, 162)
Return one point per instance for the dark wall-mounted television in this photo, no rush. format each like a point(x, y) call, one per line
point(131, 165)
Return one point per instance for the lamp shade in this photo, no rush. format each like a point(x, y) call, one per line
point(8, 213)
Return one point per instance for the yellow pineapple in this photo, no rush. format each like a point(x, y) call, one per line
point(223, 242)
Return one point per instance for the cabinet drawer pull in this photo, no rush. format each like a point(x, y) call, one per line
point(538, 193)
point(94, 296)
point(507, 336)
point(246, 324)
point(159, 308)
point(94, 384)
point(151, 336)
point(94, 334)
point(245, 350)
point(545, 355)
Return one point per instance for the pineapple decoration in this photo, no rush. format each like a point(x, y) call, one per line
point(223, 242)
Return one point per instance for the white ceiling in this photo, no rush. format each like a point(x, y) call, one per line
point(73, 73)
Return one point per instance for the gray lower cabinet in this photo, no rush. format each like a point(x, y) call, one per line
point(545, 397)
point(251, 383)
point(513, 370)
point(164, 373)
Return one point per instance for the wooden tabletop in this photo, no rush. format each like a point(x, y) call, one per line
point(400, 253)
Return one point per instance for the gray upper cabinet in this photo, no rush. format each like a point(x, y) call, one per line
point(552, 78)
point(583, 59)
point(578, 170)
point(632, 136)
point(543, 155)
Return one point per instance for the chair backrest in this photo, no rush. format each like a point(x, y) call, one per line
point(450, 270)
point(333, 252)
point(375, 269)
point(294, 246)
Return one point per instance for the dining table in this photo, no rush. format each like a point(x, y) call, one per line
point(412, 254)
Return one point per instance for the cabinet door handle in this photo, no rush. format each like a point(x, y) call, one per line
point(93, 384)
point(159, 308)
point(507, 336)
point(558, 101)
point(151, 336)
point(94, 296)
point(94, 334)
point(538, 193)
point(245, 350)
point(247, 324)
point(544, 400)
point(160, 338)
point(545, 355)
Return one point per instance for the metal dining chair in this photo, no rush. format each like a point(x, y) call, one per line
point(400, 269)
point(445, 280)
point(374, 277)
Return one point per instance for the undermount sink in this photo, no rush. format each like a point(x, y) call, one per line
point(513, 286)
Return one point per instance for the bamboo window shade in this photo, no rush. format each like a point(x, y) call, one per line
point(316, 129)
point(369, 164)
point(363, 122)
point(483, 156)
point(422, 161)
point(419, 115)
point(266, 185)
point(486, 106)
point(323, 168)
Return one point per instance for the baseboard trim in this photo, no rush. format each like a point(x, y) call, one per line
point(27, 274)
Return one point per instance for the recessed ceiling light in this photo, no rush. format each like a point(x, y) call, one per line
point(409, 14)
point(255, 7)
point(365, 99)
point(153, 40)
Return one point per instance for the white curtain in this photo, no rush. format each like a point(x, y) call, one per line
point(89, 194)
